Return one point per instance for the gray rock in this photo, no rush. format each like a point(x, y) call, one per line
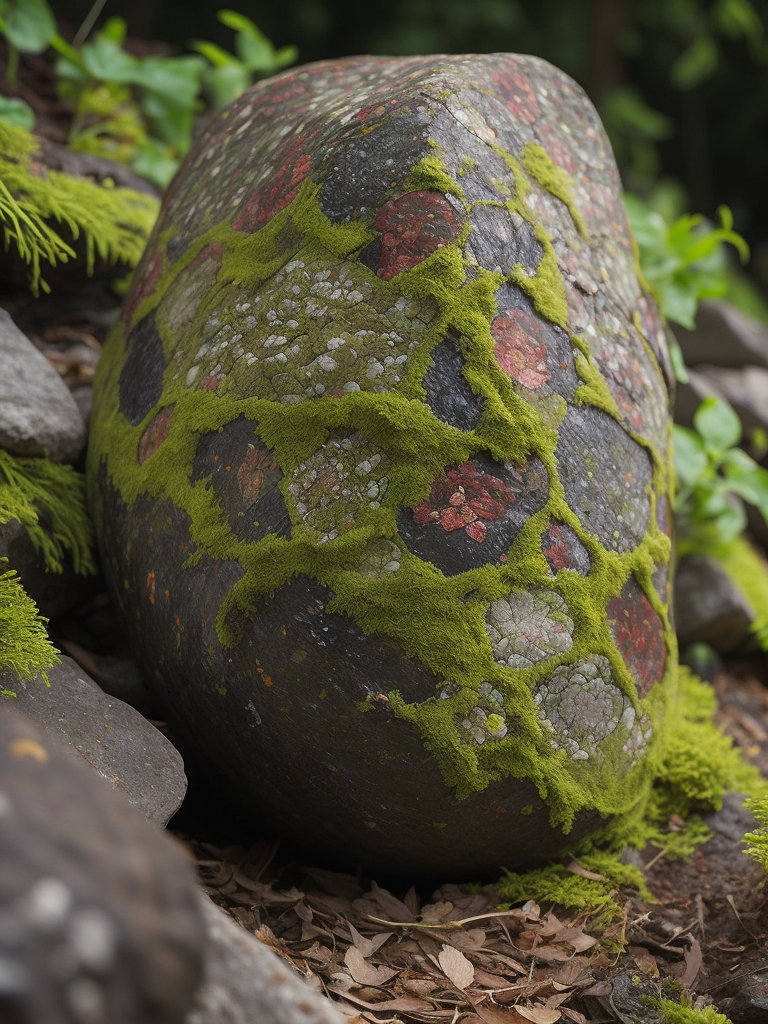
point(99, 915)
point(38, 415)
point(708, 606)
point(116, 740)
point(245, 982)
point(724, 336)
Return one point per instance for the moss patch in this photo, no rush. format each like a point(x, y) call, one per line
point(30, 487)
point(113, 222)
point(25, 648)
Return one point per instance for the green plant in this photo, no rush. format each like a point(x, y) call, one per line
point(682, 261)
point(24, 645)
point(712, 474)
point(255, 56)
point(32, 489)
point(136, 110)
point(113, 223)
point(757, 841)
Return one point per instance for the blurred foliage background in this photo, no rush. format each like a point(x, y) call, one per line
point(681, 85)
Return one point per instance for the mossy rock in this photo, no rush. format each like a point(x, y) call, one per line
point(379, 466)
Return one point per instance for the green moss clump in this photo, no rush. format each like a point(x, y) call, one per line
point(554, 179)
point(24, 645)
point(31, 486)
point(757, 841)
point(698, 767)
point(113, 222)
point(699, 763)
point(681, 1013)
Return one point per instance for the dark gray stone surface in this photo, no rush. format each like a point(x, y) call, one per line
point(38, 415)
point(99, 915)
point(724, 336)
point(131, 754)
point(708, 606)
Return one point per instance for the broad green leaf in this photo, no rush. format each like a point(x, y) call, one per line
point(690, 458)
point(114, 29)
point(718, 424)
point(107, 62)
point(30, 25)
point(17, 112)
point(176, 79)
point(677, 303)
point(153, 162)
point(226, 82)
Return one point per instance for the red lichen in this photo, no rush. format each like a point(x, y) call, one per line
point(461, 498)
point(413, 226)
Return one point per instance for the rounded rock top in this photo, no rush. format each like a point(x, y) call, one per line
point(379, 466)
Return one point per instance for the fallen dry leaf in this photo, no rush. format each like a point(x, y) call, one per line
point(363, 972)
point(539, 1013)
point(456, 967)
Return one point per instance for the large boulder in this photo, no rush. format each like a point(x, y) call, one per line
point(379, 465)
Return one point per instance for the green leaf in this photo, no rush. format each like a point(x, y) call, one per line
point(690, 458)
point(17, 112)
point(30, 25)
point(154, 162)
point(718, 424)
point(114, 29)
point(676, 358)
point(213, 53)
point(677, 303)
point(176, 79)
point(696, 64)
point(226, 82)
point(107, 62)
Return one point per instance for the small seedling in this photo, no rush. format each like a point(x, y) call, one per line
point(713, 474)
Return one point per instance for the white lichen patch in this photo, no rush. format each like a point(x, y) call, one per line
point(581, 705)
point(529, 626)
point(306, 334)
point(382, 558)
point(344, 477)
point(486, 721)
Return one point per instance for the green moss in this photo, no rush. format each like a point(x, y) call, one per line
point(31, 487)
point(757, 841)
point(114, 223)
point(554, 179)
point(25, 648)
point(684, 1013)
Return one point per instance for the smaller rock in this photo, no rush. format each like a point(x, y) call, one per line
point(724, 336)
point(116, 740)
point(245, 981)
point(38, 415)
point(709, 606)
point(99, 915)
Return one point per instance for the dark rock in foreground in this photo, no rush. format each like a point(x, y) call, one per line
point(99, 914)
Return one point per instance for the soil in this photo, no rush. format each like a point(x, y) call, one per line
point(396, 953)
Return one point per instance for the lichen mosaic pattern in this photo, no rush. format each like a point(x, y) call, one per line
point(388, 339)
